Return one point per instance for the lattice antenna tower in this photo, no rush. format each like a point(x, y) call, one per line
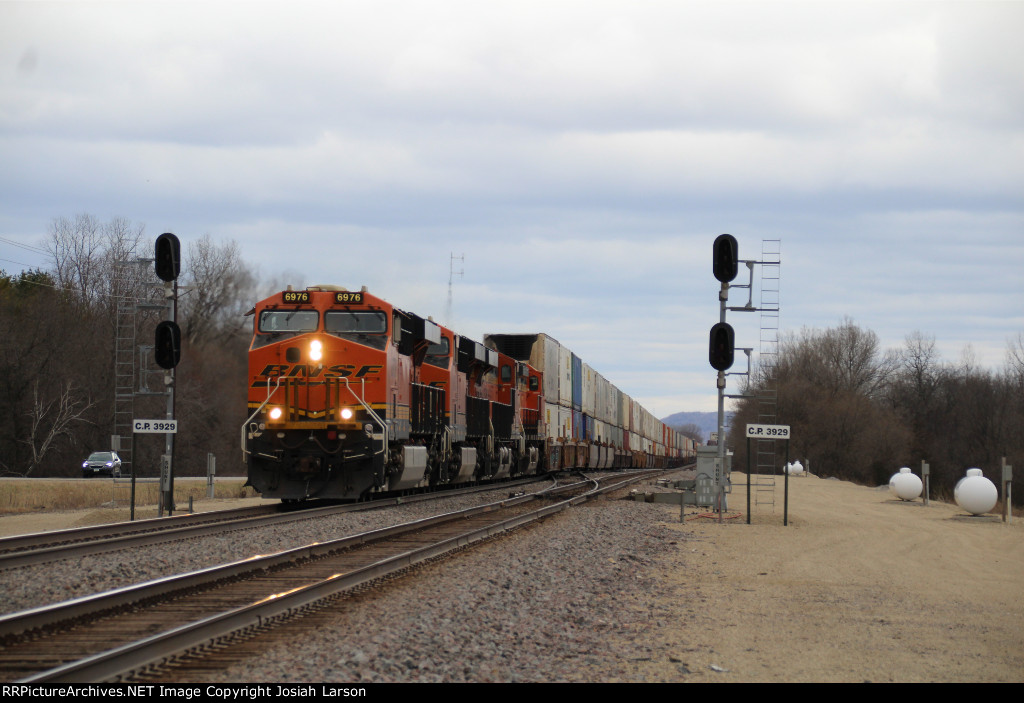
point(452, 273)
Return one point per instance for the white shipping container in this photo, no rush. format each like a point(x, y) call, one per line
point(564, 377)
point(589, 400)
point(613, 404)
point(547, 349)
point(613, 412)
point(551, 419)
point(563, 423)
point(604, 399)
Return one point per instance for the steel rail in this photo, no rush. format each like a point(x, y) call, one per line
point(43, 547)
point(48, 615)
point(123, 660)
point(39, 540)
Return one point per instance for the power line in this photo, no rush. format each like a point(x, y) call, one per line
point(37, 250)
point(12, 261)
point(20, 279)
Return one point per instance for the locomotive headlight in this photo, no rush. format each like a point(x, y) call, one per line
point(346, 413)
point(316, 351)
point(275, 413)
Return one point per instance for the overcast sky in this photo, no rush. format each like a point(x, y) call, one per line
point(581, 156)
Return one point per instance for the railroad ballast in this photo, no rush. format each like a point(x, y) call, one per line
point(349, 395)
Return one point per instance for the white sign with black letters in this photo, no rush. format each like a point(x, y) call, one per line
point(155, 426)
point(767, 431)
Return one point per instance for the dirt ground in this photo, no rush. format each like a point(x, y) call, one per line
point(860, 586)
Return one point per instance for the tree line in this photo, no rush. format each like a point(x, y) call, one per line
point(57, 358)
point(859, 413)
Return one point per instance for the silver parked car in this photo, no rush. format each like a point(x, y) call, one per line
point(102, 464)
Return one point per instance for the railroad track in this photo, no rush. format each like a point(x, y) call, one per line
point(44, 547)
point(117, 635)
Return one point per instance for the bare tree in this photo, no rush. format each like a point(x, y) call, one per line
point(914, 390)
point(45, 425)
point(45, 430)
point(76, 246)
point(1015, 360)
point(693, 432)
point(919, 366)
point(96, 261)
point(219, 289)
point(828, 386)
point(123, 278)
point(852, 361)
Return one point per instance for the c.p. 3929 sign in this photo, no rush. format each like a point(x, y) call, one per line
point(767, 431)
point(155, 426)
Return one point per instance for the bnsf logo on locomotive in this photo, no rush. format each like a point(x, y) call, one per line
point(308, 371)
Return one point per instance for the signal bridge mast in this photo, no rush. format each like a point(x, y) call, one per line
point(166, 351)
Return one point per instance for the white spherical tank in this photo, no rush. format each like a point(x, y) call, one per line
point(905, 485)
point(975, 493)
point(795, 468)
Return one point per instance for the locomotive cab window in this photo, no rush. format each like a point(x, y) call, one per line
point(276, 325)
point(367, 327)
point(437, 354)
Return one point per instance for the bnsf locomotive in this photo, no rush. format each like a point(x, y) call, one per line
point(350, 395)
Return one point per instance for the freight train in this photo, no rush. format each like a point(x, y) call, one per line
point(349, 395)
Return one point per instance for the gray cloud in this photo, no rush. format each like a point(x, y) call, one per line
point(583, 155)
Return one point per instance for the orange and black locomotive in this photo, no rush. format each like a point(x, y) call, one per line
point(349, 395)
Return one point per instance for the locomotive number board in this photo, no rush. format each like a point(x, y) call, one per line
point(342, 297)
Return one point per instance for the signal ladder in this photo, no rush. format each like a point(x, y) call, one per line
point(124, 380)
point(766, 451)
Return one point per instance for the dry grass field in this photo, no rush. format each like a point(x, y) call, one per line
point(29, 505)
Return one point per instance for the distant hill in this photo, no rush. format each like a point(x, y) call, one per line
point(707, 422)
